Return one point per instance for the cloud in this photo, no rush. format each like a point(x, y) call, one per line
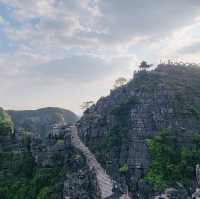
point(191, 49)
point(90, 23)
point(57, 43)
point(126, 19)
point(78, 68)
point(67, 83)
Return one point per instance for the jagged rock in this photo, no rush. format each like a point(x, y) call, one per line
point(57, 156)
point(163, 196)
point(172, 193)
point(145, 190)
point(196, 195)
point(152, 101)
point(198, 174)
point(76, 186)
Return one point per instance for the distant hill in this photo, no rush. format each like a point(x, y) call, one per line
point(39, 121)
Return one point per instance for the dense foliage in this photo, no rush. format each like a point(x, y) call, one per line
point(171, 161)
point(6, 125)
point(23, 179)
point(124, 168)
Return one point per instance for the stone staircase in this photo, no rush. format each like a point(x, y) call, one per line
point(104, 181)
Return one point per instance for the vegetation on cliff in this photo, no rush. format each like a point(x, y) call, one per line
point(116, 138)
point(165, 98)
point(39, 121)
point(6, 124)
point(173, 162)
point(22, 178)
point(33, 168)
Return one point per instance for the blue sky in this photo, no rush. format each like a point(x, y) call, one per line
point(64, 52)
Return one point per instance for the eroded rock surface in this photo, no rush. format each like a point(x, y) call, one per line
point(116, 129)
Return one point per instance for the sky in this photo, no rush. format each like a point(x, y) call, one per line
point(64, 52)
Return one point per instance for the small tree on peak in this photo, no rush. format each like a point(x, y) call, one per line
point(144, 65)
point(85, 105)
point(120, 82)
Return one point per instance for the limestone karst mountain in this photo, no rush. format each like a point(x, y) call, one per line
point(39, 121)
point(142, 142)
point(146, 133)
point(35, 168)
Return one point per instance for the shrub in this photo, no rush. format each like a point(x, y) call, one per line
point(124, 168)
point(43, 194)
point(171, 162)
point(6, 124)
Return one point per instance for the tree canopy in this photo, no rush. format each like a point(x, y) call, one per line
point(120, 82)
point(144, 65)
point(172, 162)
point(85, 105)
point(6, 124)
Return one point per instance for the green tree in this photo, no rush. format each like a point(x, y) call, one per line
point(85, 105)
point(43, 194)
point(144, 65)
point(171, 162)
point(6, 124)
point(124, 168)
point(120, 82)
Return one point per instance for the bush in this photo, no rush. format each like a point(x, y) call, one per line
point(43, 194)
point(124, 168)
point(25, 179)
point(171, 162)
point(6, 124)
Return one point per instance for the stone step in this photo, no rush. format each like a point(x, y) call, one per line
point(104, 181)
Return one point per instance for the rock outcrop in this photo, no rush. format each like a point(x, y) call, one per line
point(116, 129)
point(31, 167)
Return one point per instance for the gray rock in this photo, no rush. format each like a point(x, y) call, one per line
point(150, 103)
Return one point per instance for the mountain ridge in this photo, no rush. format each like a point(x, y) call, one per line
point(118, 127)
point(40, 120)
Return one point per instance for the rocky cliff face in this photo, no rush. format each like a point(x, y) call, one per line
point(31, 167)
point(117, 128)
